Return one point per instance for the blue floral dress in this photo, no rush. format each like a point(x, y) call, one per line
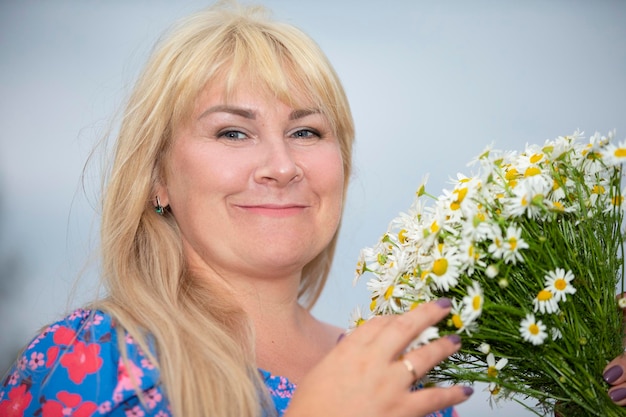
point(75, 368)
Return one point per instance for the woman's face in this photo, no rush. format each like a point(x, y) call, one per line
point(256, 186)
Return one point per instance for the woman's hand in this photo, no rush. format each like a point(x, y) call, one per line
point(614, 375)
point(363, 376)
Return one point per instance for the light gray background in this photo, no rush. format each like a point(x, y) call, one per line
point(431, 84)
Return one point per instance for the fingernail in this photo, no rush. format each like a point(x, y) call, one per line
point(340, 338)
point(444, 302)
point(617, 394)
point(612, 374)
point(468, 391)
point(454, 338)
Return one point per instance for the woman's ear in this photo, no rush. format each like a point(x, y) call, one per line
point(161, 196)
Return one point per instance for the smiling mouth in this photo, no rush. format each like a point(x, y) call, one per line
point(275, 210)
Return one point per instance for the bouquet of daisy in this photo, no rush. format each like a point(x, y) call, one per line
point(529, 250)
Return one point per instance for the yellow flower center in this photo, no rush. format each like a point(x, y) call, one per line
point(544, 295)
point(460, 194)
point(388, 292)
point(511, 174)
point(532, 171)
point(476, 301)
point(359, 321)
point(402, 236)
point(434, 227)
point(492, 372)
point(495, 391)
point(373, 303)
point(456, 320)
point(536, 158)
point(513, 243)
point(598, 189)
point(558, 206)
point(560, 284)
point(533, 329)
point(620, 152)
point(440, 266)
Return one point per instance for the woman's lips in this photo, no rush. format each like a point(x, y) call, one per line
point(275, 210)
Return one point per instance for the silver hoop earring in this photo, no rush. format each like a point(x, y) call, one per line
point(159, 209)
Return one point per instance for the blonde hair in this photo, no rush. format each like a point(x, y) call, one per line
point(203, 339)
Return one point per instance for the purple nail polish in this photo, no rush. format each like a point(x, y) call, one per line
point(617, 394)
point(611, 375)
point(340, 338)
point(444, 302)
point(468, 391)
point(454, 338)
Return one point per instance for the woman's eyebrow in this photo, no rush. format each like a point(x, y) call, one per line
point(299, 114)
point(249, 114)
point(238, 111)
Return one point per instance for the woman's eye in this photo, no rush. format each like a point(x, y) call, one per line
point(306, 134)
point(232, 135)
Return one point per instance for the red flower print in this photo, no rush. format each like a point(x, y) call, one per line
point(68, 404)
point(83, 360)
point(64, 336)
point(51, 354)
point(18, 401)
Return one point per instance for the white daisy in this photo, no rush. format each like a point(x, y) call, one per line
point(493, 368)
point(470, 256)
point(512, 245)
point(460, 319)
point(558, 282)
point(444, 269)
point(484, 348)
point(356, 319)
point(546, 302)
point(474, 300)
point(615, 154)
point(525, 199)
point(532, 330)
point(496, 247)
point(492, 271)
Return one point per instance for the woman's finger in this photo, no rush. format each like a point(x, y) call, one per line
point(614, 372)
point(427, 357)
point(404, 328)
point(428, 400)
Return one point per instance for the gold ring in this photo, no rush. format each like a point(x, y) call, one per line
point(410, 368)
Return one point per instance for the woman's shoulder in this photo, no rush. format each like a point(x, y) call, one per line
point(76, 364)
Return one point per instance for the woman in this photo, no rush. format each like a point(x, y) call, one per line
point(220, 219)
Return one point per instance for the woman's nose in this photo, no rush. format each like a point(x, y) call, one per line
point(278, 164)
